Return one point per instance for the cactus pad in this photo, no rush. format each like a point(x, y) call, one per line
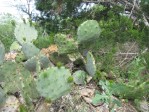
point(12, 75)
point(20, 57)
point(88, 30)
point(30, 50)
point(24, 33)
point(15, 46)
point(2, 52)
point(44, 62)
point(65, 45)
point(90, 64)
point(79, 77)
point(30, 64)
point(53, 83)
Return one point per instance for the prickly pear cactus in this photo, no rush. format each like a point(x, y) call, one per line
point(79, 77)
point(130, 90)
point(90, 64)
point(15, 78)
point(12, 75)
point(65, 44)
point(2, 52)
point(15, 46)
point(44, 62)
point(30, 50)
point(20, 57)
point(2, 96)
point(24, 33)
point(53, 82)
point(30, 64)
point(88, 30)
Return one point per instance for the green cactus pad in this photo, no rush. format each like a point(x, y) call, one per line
point(2, 96)
point(90, 64)
point(12, 74)
point(44, 62)
point(2, 52)
point(65, 45)
point(30, 50)
point(15, 46)
point(20, 57)
point(88, 30)
point(53, 83)
point(15, 78)
point(30, 64)
point(24, 33)
point(79, 77)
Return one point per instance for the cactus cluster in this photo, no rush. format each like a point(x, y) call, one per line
point(53, 82)
point(88, 30)
point(31, 64)
point(65, 44)
point(15, 78)
point(2, 52)
point(25, 34)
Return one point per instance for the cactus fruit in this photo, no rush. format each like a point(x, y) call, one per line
point(30, 50)
point(65, 45)
point(90, 64)
point(2, 52)
point(53, 83)
point(79, 77)
point(88, 30)
point(24, 33)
